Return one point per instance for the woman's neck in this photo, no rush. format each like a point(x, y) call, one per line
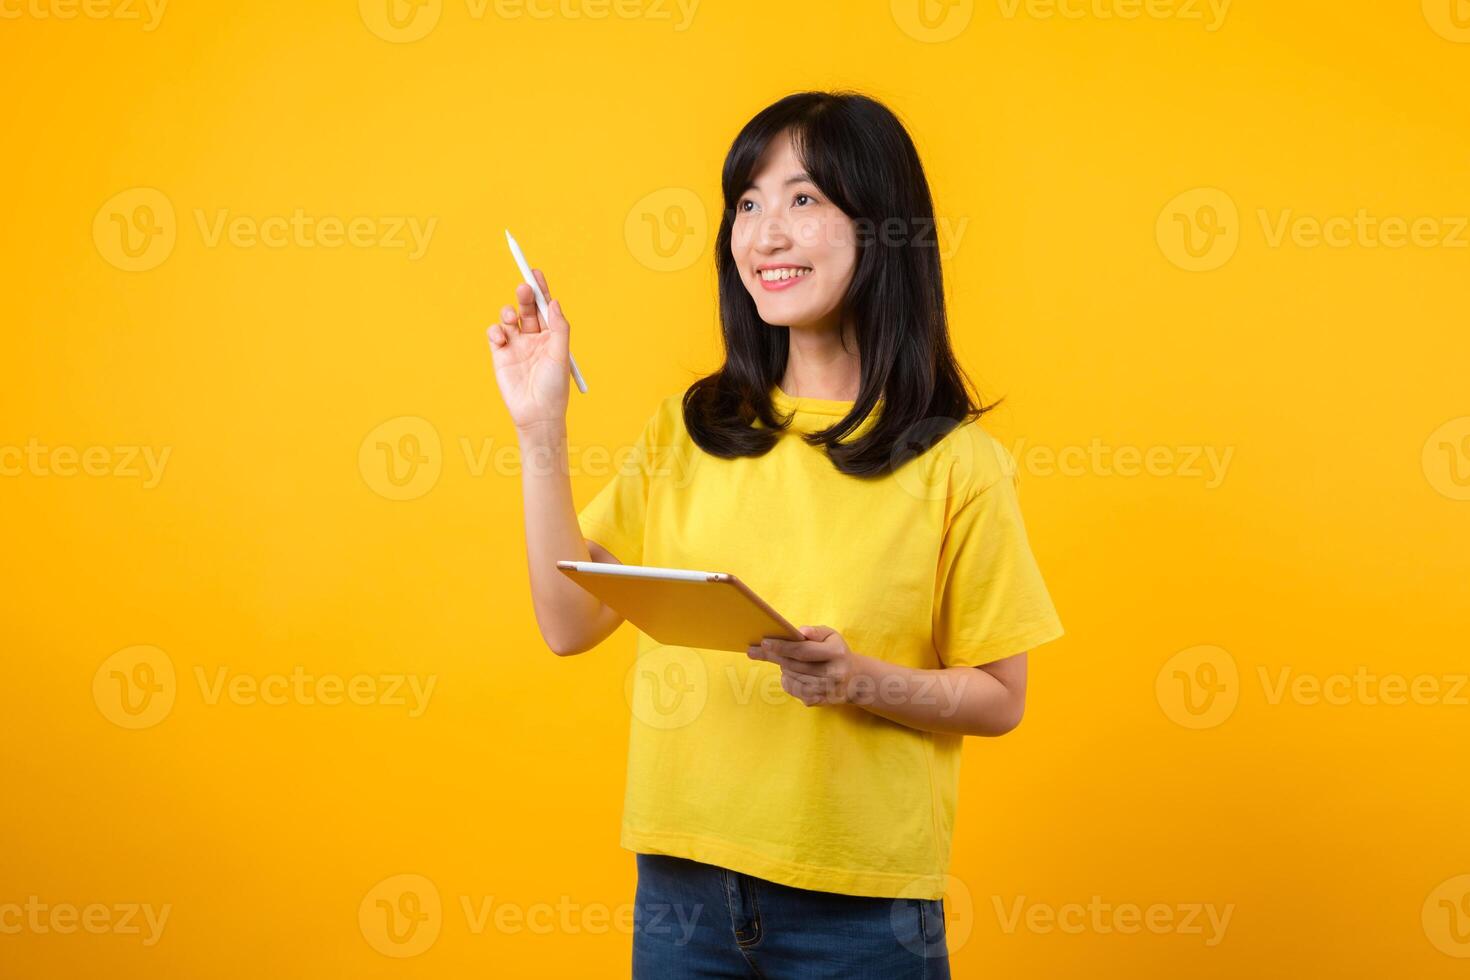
point(819, 366)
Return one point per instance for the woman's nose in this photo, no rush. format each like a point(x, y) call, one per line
point(772, 234)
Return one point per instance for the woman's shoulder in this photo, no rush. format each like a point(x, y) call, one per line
point(975, 460)
point(664, 427)
point(668, 417)
point(664, 412)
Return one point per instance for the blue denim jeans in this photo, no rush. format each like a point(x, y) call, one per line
point(693, 920)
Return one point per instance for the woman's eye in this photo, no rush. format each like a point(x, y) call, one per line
point(741, 208)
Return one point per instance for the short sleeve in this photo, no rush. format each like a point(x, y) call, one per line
point(992, 602)
point(616, 516)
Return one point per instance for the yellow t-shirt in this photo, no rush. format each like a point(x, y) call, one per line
point(928, 567)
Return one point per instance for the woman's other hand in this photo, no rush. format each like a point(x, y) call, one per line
point(532, 363)
point(817, 670)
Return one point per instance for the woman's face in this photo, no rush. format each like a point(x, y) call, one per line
point(795, 250)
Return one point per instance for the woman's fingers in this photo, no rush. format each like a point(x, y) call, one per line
point(529, 316)
point(559, 343)
point(526, 317)
point(499, 333)
point(803, 667)
point(809, 690)
point(796, 689)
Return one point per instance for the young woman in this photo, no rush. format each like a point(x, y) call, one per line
point(791, 809)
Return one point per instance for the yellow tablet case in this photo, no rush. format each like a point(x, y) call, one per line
point(714, 612)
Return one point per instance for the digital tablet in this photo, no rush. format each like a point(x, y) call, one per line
point(681, 607)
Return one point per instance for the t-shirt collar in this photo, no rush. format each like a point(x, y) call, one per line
point(819, 413)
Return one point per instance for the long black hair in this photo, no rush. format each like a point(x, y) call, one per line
point(858, 153)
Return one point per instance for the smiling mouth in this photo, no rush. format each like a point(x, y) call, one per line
point(783, 273)
point(782, 277)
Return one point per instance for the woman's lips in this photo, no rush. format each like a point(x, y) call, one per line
point(780, 284)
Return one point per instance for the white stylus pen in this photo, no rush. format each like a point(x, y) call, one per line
point(520, 257)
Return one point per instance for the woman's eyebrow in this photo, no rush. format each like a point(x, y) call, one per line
point(801, 178)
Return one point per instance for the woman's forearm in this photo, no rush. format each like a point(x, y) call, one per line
point(961, 700)
point(571, 619)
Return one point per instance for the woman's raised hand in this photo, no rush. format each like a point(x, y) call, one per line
point(532, 363)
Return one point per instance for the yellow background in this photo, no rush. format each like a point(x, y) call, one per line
point(1334, 544)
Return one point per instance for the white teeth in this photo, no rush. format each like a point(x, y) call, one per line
point(776, 275)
